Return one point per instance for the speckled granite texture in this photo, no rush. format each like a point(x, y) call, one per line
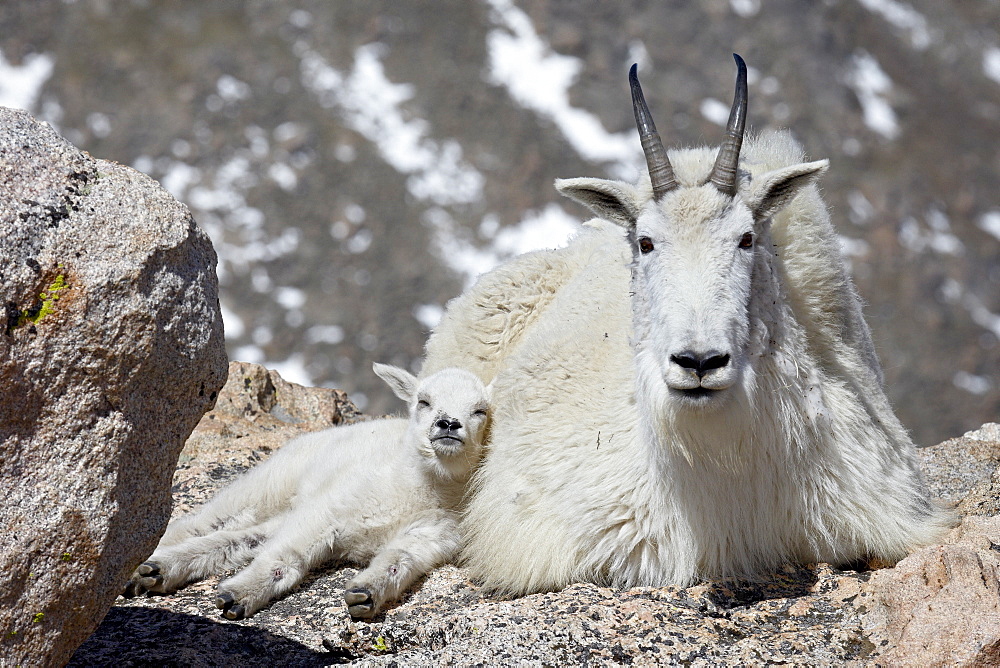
point(111, 351)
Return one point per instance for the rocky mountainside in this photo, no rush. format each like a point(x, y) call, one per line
point(357, 163)
point(939, 606)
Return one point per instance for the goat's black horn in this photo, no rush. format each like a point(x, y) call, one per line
point(661, 173)
point(723, 174)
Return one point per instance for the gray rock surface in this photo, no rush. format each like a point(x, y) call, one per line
point(111, 350)
point(804, 615)
point(957, 466)
point(941, 604)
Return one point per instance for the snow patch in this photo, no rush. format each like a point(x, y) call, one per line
point(289, 298)
point(99, 124)
point(981, 315)
point(873, 86)
point(745, 8)
point(428, 315)
point(251, 354)
point(372, 105)
point(360, 242)
point(715, 111)
point(178, 177)
point(549, 228)
point(300, 18)
point(639, 54)
point(539, 79)
point(954, 293)
point(861, 210)
point(292, 369)
point(991, 63)
point(972, 383)
point(232, 323)
point(231, 89)
point(904, 18)
point(219, 203)
point(853, 247)
point(989, 222)
point(328, 334)
point(20, 85)
point(938, 238)
point(283, 175)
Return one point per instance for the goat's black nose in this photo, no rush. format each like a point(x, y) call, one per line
point(700, 363)
point(448, 424)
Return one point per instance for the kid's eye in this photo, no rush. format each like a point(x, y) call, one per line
point(746, 241)
point(423, 403)
point(645, 245)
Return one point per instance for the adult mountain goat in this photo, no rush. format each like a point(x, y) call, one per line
point(689, 392)
point(384, 492)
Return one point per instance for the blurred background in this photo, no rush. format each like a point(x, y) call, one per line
point(358, 163)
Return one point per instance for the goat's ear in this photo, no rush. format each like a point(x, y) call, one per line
point(611, 200)
point(773, 190)
point(402, 382)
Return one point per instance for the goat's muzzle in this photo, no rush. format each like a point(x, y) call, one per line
point(699, 375)
point(447, 435)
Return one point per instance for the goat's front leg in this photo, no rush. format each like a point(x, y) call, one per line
point(430, 540)
point(170, 568)
point(304, 540)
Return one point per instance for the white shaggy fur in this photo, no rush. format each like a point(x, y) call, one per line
point(612, 462)
point(383, 493)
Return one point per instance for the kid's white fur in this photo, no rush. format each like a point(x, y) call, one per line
point(384, 493)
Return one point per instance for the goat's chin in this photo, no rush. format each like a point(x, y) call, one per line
point(701, 399)
point(447, 446)
point(449, 458)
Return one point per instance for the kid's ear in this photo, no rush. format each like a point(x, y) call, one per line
point(775, 189)
point(402, 383)
point(611, 200)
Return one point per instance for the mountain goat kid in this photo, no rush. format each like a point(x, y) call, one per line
point(688, 390)
point(384, 492)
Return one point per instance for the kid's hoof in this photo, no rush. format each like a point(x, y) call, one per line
point(235, 612)
point(146, 576)
point(151, 576)
point(150, 568)
point(132, 589)
point(230, 608)
point(360, 604)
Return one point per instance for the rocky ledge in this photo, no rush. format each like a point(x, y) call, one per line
point(940, 605)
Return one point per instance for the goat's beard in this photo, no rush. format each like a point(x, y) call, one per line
point(721, 434)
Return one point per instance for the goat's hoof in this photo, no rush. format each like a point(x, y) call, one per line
point(150, 568)
point(132, 589)
point(360, 604)
point(235, 612)
point(146, 577)
point(226, 602)
point(151, 583)
point(152, 577)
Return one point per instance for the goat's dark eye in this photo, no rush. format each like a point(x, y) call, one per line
point(645, 245)
point(746, 241)
point(423, 403)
